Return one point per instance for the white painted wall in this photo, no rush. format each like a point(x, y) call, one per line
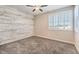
point(76, 24)
point(41, 29)
point(14, 25)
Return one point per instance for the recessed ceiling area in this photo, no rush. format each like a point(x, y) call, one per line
point(28, 10)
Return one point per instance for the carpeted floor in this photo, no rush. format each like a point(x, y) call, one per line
point(37, 45)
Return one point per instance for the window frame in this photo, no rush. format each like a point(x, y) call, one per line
point(54, 28)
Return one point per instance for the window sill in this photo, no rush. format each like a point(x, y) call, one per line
point(53, 29)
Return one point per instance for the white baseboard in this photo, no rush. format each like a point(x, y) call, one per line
point(12, 40)
point(15, 39)
point(57, 40)
point(77, 48)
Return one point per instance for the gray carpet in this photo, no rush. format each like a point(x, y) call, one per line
point(37, 45)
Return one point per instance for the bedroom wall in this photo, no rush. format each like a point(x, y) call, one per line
point(76, 24)
point(14, 25)
point(42, 30)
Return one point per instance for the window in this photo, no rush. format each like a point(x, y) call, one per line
point(76, 22)
point(61, 20)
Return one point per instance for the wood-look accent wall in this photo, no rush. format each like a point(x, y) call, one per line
point(14, 25)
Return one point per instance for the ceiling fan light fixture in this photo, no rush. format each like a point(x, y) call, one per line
point(33, 10)
point(37, 7)
point(41, 10)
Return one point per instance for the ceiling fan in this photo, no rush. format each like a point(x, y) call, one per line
point(37, 7)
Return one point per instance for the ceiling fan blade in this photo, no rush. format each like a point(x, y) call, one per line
point(41, 10)
point(43, 5)
point(37, 5)
point(30, 5)
point(33, 10)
